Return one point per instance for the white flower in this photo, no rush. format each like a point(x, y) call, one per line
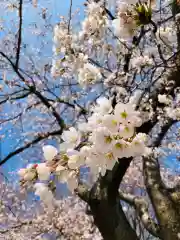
point(72, 182)
point(29, 166)
point(163, 98)
point(90, 24)
point(138, 144)
point(95, 22)
point(44, 193)
point(80, 61)
point(83, 127)
point(110, 160)
point(110, 122)
point(136, 121)
point(29, 175)
point(88, 74)
point(123, 6)
point(102, 139)
point(126, 114)
point(94, 160)
point(173, 113)
point(121, 149)
point(43, 171)
point(62, 39)
point(94, 121)
point(75, 159)
point(177, 17)
point(178, 98)
point(22, 172)
point(60, 168)
point(126, 131)
point(71, 139)
point(49, 152)
point(103, 106)
point(124, 28)
point(123, 112)
point(94, 8)
point(101, 162)
point(86, 151)
point(68, 177)
point(142, 61)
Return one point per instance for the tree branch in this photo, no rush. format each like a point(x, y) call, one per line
point(49, 106)
point(70, 15)
point(141, 207)
point(19, 34)
point(38, 94)
point(167, 212)
point(39, 138)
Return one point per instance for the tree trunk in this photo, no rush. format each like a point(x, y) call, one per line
point(107, 212)
point(167, 212)
point(104, 202)
point(111, 221)
point(167, 215)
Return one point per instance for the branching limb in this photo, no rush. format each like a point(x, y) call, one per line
point(39, 138)
point(141, 207)
point(33, 90)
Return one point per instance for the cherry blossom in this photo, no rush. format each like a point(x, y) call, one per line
point(89, 74)
point(43, 171)
point(49, 152)
point(71, 139)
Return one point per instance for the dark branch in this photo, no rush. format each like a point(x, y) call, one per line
point(141, 207)
point(19, 34)
point(70, 15)
point(38, 94)
point(39, 138)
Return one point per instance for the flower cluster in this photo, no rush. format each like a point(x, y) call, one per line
point(163, 98)
point(24, 220)
point(65, 46)
point(44, 193)
point(75, 50)
point(142, 61)
point(171, 107)
point(63, 39)
point(124, 25)
point(88, 74)
point(95, 24)
point(131, 16)
point(173, 113)
point(110, 134)
point(28, 173)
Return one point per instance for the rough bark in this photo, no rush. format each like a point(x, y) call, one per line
point(105, 207)
point(167, 212)
point(111, 221)
point(108, 214)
